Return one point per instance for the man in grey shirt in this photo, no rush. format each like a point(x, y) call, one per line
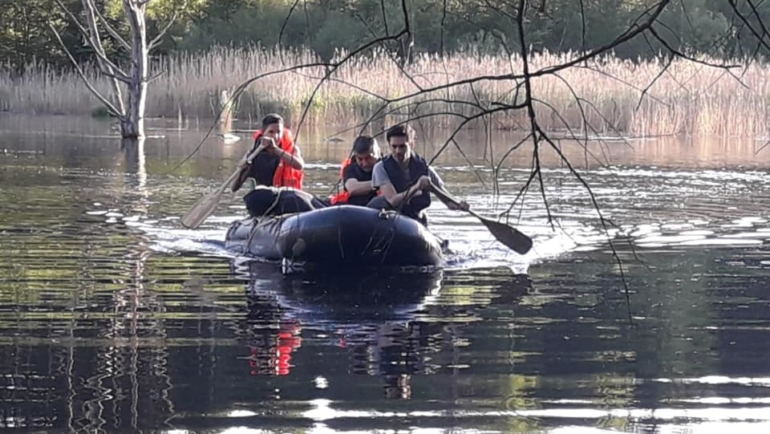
point(405, 175)
point(380, 176)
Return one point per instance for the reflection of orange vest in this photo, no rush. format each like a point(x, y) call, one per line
point(344, 195)
point(278, 355)
point(285, 175)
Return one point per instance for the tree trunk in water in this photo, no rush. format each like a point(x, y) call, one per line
point(132, 126)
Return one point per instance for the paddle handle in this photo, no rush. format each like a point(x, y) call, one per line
point(444, 195)
point(250, 156)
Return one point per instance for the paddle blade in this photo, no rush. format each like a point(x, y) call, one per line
point(507, 235)
point(511, 237)
point(201, 210)
point(204, 207)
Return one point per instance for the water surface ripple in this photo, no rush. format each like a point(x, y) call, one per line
point(113, 317)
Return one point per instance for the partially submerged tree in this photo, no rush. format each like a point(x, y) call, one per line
point(128, 109)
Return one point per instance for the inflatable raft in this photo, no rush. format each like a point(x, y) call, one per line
point(341, 236)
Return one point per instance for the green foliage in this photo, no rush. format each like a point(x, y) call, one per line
point(490, 26)
point(24, 33)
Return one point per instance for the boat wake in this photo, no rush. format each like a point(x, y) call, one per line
point(654, 210)
point(468, 249)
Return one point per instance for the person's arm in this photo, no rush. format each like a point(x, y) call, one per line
point(245, 168)
point(241, 178)
point(356, 187)
point(396, 199)
point(438, 182)
point(381, 181)
point(294, 160)
point(435, 178)
point(353, 185)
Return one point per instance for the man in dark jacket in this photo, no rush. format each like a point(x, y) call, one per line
point(403, 174)
point(357, 173)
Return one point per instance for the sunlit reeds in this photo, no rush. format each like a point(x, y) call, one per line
point(609, 93)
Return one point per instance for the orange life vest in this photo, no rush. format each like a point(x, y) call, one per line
point(344, 195)
point(285, 175)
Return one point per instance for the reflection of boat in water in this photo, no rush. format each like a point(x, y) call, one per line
point(372, 317)
point(338, 237)
point(387, 325)
point(344, 297)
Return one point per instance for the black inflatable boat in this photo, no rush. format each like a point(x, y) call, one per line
point(343, 236)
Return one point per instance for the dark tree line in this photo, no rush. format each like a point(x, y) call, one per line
point(720, 28)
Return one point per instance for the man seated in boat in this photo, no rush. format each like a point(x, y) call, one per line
point(279, 165)
point(357, 173)
point(405, 175)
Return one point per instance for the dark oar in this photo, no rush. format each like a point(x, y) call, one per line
point(511, 237)
point(208, 203)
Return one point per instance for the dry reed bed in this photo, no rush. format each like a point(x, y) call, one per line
point(688, 98)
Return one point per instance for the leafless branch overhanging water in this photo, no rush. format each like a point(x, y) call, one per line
point(522, 78)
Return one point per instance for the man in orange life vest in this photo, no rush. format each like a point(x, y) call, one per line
point(357, 173)
point(403, 174)
point(277, 170)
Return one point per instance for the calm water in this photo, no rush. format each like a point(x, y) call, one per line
point(113, 317)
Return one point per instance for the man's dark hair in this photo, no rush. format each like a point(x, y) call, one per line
point(270, 119)
point(401, 130)
point(363, 144)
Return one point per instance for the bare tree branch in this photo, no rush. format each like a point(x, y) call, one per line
point(441, 28)
point(384, 17)
point(678, 53)
point(652, 82)
point(74, 20)
point(157, 40)
point(582, 142)
point(121, 78)
point(286, 21)
point(632, 86)
point(113, 110)
point(390, 55)
point(111, 69)
point(583, 27)
point(93, 39)
point(156, 76)
point(111, 30)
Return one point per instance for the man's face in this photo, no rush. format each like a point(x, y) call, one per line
point(274, 131)
point(400, 148)
point(366, 160)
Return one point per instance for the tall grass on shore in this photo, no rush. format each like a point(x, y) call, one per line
point(688, 98)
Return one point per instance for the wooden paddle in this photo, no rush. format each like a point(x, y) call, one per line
point(208, 203)
point(509, 236)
